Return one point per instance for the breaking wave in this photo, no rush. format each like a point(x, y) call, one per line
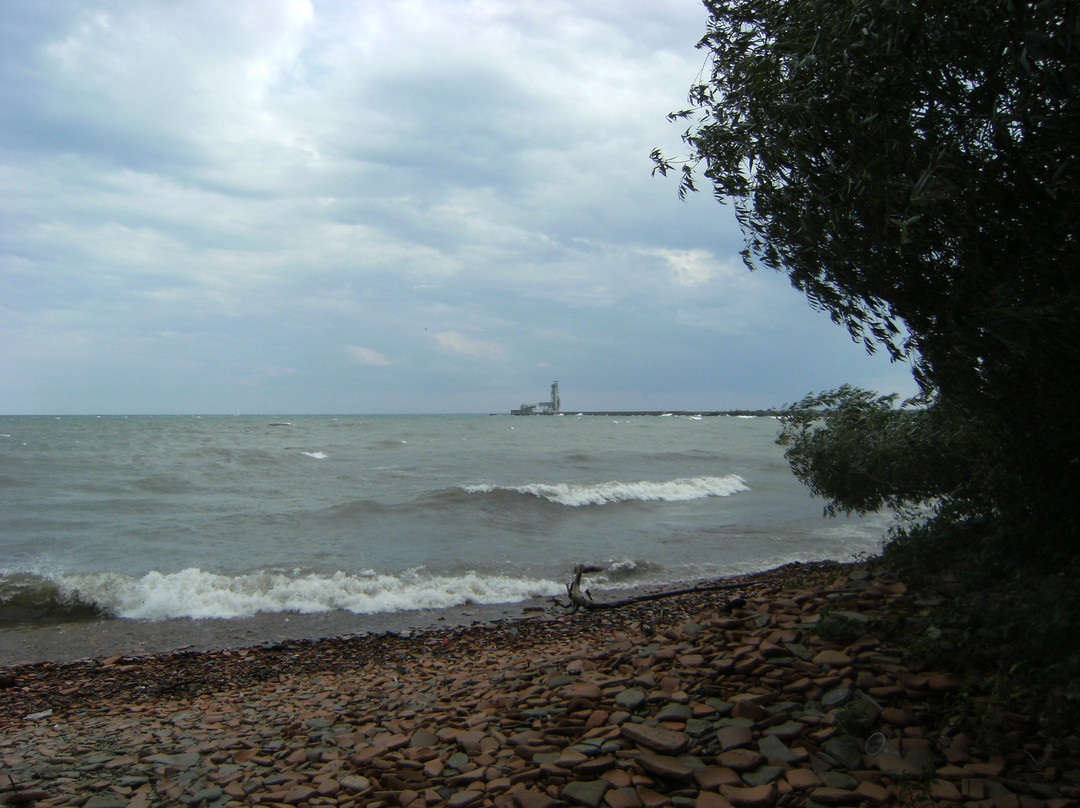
point(579, 495)
point(194, 593)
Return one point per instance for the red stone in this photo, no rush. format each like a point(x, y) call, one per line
point(754, 797)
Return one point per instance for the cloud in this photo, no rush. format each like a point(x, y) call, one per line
point(367, 356)
point(459, 343)
point(691, 267)
point(213, 188)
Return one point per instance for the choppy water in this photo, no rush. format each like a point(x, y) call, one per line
point(164, 517)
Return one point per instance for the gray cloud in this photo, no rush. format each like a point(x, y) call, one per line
point(388, 206)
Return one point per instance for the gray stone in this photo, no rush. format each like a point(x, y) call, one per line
point(694, 764)
point(457, 760)
point(855, 617)
point(698, 727)
point(665, 766)
point(735, 722)
point(781, 707)
point(723, 708)
point(631, 698)
point(764, 775)
point(659, 739)
point(204, 795)
point(182, 761)
point(585, 792)
point(787, 730)
point(775, 749)
point(844, 750)
point(798, 651)
point(106, 801)
point(836, 779)
point(675, 712)
point(835, 698)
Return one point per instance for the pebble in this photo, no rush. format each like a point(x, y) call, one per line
point(680, 703)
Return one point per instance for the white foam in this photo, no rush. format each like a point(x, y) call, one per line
point(316, 455)
point(578, 495)
point(195, 593)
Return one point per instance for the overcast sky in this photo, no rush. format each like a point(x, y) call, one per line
point(283, 206)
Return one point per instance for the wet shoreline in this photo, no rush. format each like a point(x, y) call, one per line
point(106, 637)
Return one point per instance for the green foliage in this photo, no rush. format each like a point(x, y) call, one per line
point(912, 167)
point(1013, 627)
point(854, 719)
point(862, 453)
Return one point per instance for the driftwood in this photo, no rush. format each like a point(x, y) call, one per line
point(584, 600)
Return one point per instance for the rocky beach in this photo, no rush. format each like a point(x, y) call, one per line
point(705, 700)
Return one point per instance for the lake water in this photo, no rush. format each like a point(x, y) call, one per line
point(155, 518)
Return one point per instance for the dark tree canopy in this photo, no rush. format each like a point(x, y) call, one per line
point(914, 167)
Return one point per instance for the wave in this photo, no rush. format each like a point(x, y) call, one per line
point(316, 455)
point(198, 594)
point(28, 598)
point(579, 495)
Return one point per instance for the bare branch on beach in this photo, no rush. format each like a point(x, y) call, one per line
point(584, 600)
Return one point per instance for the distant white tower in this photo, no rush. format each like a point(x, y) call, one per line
point(556, 404)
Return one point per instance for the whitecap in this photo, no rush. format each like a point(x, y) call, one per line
point(195, 593)
point(578, 495)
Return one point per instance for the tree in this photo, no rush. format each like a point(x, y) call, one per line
point(914, 168)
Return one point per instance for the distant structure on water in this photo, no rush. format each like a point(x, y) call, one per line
point(552, 407)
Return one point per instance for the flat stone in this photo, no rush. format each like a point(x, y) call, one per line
point(830, 658)
point(106, 801)
point(897, 717)
point(827, 795)
point(532, 798)
point(698, 727)
point(844, 750)
point(620, 798)
point(747, 708)
point(945, 683)
point(798, 651)
point(763, 775)
point(208, 794)
point(469, 741)
point(751, 797)
point(675, 712)
point(182, 761)
point(423, 737)
point(463, 799)
point(659, 739)
point(734, 737)
point(838, 779)
point(665, 766)
point(802, 779)
point(354, 783)
point(712, 777)
point(299, 794)
point(585, 792)
point(582, 690)
point(787, 730)
point(772, 748)
point(710, 799)
point(631, 698)
point(896, 766)
point(836, 697)
point(740, 760)
point(873, 793)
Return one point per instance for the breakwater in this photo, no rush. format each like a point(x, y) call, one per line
point(663, 413)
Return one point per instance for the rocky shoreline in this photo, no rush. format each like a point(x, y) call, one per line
point(706, 700)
